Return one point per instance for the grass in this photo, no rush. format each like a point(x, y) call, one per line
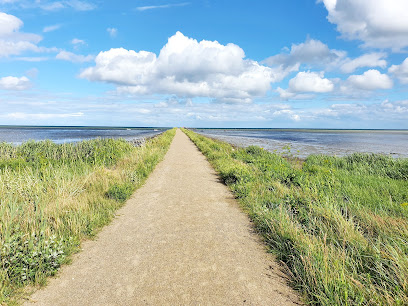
point(53, 196)
point(338, 224)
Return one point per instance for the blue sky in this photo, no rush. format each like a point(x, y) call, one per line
point(205, 63)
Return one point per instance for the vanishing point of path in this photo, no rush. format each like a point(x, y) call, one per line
point(180, 240)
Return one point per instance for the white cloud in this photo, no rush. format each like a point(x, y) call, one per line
point(398, 107)
point(286, 94)
point(315, 54)
point(391, 111)
point(10, 47)
point(280, 72)
point(72, 57)
point(53, 6)
point(9, 24)
point(80, 5)
point(77, 41)
point(186, 68)
point(311, 52)
point(304, 85)
point(15, 83)
point(310, 82)
point(369, 80)
point(32, 59)
point(113, 32)
point(400, 71)
point(378, 23)
point(20, 115)
point(287, 113)
point(51, 28)
point(12, 41)
point(152, 7)
point(73, 4)
point(366, 60)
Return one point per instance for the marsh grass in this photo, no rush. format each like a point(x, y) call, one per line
point(338, 224)
point(53, 196)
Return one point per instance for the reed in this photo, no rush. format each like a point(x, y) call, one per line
point(338, 224)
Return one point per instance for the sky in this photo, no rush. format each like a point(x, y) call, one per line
point(205, 63)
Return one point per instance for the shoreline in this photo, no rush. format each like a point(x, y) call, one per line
point(78, 137)
point(297, 149)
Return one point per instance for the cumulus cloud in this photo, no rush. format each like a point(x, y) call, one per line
point(366, 60)
point(280, 72)
point(306, 82)
point(400, 71)
point(310, 82)
point(113, 32)
point(186, 68)
point(311, 52)
point(315, 54)
point(378, 23)
point(369, 80)
point(9, 24)
point(15, 83)
point(72, 57)
point(12, 41)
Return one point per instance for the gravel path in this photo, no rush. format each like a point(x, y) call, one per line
point(180, 240)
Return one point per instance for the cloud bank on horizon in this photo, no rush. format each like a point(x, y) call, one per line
point(117, 73)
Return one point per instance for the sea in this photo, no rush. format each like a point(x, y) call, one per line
point(295, 142)
point(19, 134)
point(303, 142)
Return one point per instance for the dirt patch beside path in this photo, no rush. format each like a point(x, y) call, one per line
point(180, 240)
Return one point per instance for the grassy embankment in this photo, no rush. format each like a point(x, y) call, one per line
point(339, 224)
point(53, 196)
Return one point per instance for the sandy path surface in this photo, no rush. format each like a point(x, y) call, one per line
point(180, 240)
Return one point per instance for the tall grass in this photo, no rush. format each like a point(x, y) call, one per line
point(339, 224)
point(53, 196)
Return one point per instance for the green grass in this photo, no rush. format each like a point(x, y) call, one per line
point(54, 196)
point(338, 224)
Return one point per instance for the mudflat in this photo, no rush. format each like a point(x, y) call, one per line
point(180, 240)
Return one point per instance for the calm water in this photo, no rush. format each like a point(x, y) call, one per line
point(17, 135)
point(303, 142)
